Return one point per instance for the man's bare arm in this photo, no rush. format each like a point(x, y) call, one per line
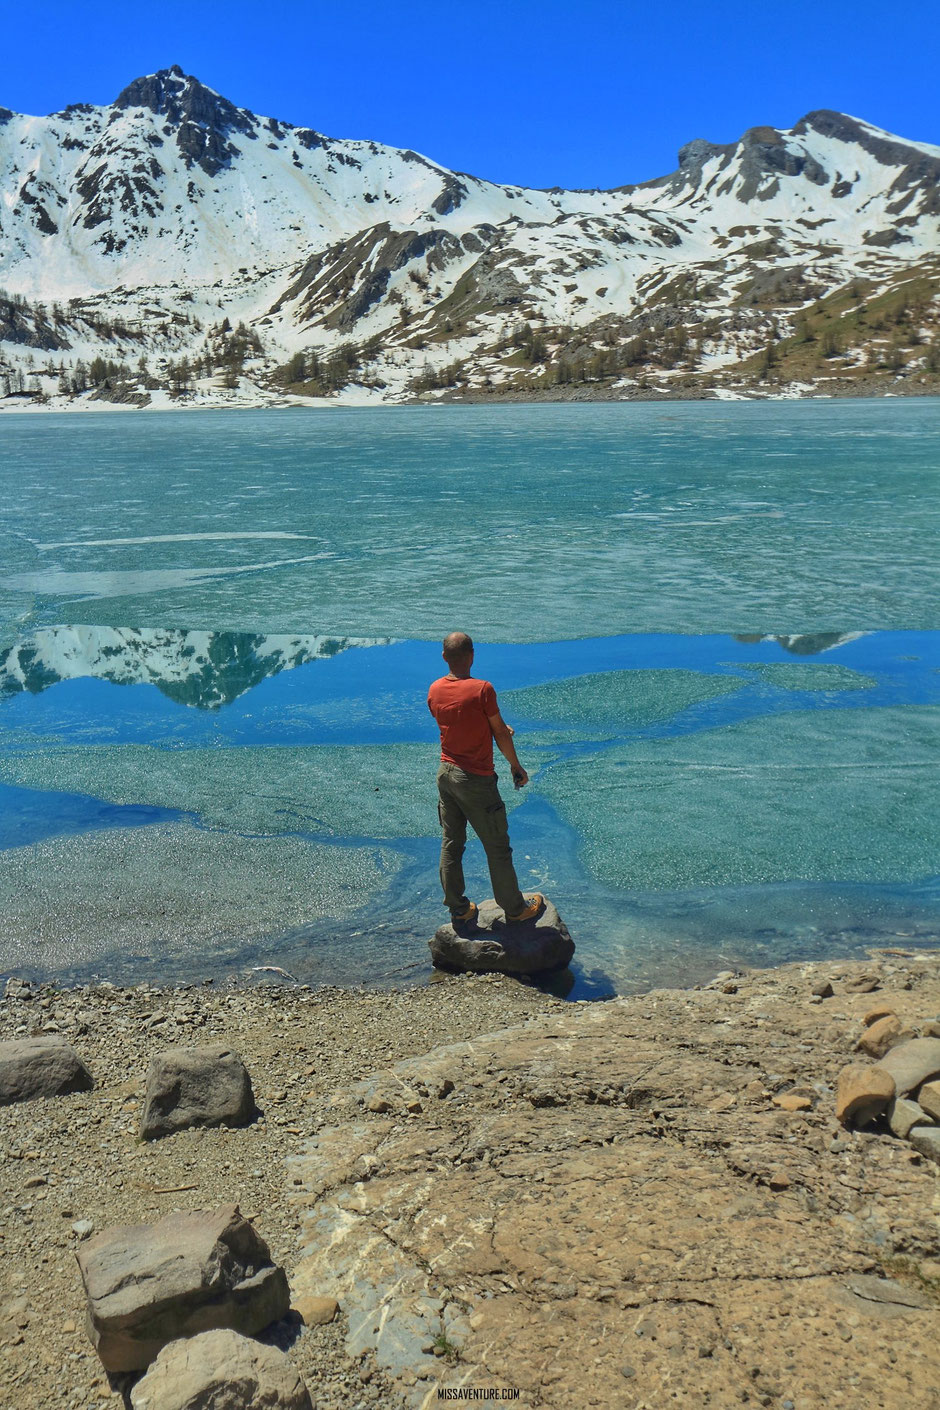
point(502, 734)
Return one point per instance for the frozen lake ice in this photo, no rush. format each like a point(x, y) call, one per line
point(712, 626)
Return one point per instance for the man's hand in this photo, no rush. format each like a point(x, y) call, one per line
point(502, 734)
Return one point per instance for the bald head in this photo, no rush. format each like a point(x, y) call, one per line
point(458, 648)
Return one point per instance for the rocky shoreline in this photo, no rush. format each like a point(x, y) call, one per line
point(260, 399)
point(643, 1202)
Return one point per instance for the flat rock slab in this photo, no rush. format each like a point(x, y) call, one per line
point(534, 947)
point(220, 1371)
point(206, 1086)
point(40, 1067)
point(148, 1284)
point(888, 1290)
point(603, 1207)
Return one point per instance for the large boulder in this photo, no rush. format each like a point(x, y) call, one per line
point(40, 1067)
point(220, 1371)
point(912, 1062)
point(148, 1284)
point(863, 1092)
point(196, 1087)
point(493, 944)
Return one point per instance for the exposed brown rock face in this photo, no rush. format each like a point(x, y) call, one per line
point(630, 1203)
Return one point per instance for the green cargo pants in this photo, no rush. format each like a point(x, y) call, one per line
point(474, 798)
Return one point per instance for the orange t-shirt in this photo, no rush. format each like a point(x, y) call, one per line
point(461, 708)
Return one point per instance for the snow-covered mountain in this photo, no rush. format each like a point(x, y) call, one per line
point(202, 669)
point(196, 249)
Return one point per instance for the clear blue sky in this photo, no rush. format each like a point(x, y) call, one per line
point(539, 92)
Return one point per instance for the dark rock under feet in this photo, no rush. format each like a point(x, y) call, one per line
point(493, 944)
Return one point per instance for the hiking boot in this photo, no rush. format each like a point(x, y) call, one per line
point(534, 908)
point(467, 917)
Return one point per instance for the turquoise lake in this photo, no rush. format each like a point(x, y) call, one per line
point(713, 626)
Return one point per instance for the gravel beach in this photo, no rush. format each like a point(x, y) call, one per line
point(78, 1159)
point(733, 1091)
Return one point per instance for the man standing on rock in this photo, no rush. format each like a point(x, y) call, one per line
point(469, 720)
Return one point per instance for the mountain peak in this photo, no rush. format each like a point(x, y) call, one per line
point(202, 117)
point(164, 90)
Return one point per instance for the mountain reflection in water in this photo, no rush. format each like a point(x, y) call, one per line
point(204, 669)
point(802, 643)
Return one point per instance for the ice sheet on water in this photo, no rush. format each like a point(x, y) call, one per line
point(616, 698)
point(172, 891)
point(852, 795)
point(375, 791)
point(539, 494)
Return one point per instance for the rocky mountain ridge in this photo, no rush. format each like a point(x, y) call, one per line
point(173, 248)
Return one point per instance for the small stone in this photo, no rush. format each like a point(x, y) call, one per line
point(903, 1115)
point(879, 1037)
point(316, 1311)
point(822, 990)
point(18, 988)
point(929, 1099)
point(792, 1101)
point(628, 1372)
point(83, 1228)
point(881, 1010)
point(35, 1181)
point(779, 1180)
point(863, 1093)
point(931, 1028)
point(926, 1141)
point(862, 984)
point(378, 1103)
point(69, 1327)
